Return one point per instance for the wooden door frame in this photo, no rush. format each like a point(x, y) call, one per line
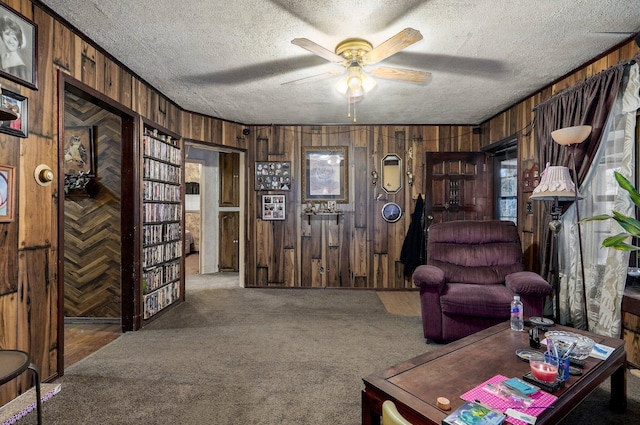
point(496, 151)
point(243, 198)
point(130, 238)
point(203, 185)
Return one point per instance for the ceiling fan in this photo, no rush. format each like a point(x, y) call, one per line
point(356, 54)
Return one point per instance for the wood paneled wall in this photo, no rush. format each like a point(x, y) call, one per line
point(361, 251)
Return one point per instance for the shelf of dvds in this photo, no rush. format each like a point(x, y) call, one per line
point(162, 222)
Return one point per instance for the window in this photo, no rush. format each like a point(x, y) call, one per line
point(504, 158)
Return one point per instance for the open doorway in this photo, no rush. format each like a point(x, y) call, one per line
point(214, 215)
point(95, 281)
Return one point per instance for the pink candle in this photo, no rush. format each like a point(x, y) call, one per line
point(544, 372)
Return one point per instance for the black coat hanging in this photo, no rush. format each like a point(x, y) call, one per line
point(413, 247)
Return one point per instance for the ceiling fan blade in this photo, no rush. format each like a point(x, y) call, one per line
point(317, 49)
point(312, 78)
point(409, 75)
point(404, 38)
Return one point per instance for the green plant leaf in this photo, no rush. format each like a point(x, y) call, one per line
point(630, 224)
point(597, 218)
point(615, 239)
point(626, 185)
point(621, 246)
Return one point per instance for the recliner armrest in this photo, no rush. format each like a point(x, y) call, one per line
point(527, 283)
point(428, 277)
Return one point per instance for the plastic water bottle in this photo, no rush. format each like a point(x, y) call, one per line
point(517, 315)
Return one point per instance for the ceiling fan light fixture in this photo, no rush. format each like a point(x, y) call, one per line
point(342, 86)
point(368, 83)
point(355, 93)
point(354, 78)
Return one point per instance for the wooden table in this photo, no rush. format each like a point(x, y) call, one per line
point(631, 323)
point(450, 371)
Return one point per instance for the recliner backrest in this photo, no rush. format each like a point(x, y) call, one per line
point(480, 252)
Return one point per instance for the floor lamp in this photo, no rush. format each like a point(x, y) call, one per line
point(555, 186)
point(570, 137)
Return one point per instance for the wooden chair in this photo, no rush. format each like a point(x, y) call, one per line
point(391, 416)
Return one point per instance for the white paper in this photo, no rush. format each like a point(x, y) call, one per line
point(522, 416)
point(601, 352)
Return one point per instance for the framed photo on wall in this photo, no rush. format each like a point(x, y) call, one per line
point(273, 175)
point(7, 193)
point(18, 104)
point(273, 207)
point(324, 174)
point(19, 48)
point(79, 150)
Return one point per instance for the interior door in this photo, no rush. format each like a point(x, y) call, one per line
point(457, 186)
point(229, 241)
point(229, 179)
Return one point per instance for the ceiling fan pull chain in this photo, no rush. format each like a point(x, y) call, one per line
point(354, 110)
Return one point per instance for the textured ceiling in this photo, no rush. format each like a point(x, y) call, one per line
point(228, 59)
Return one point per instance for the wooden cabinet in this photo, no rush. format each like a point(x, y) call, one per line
point(162, 222)
point(229, 241)
point(229, 180)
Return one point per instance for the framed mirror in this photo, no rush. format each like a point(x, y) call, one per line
point(391, 173)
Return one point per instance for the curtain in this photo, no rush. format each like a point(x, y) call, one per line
point(587, 103)
point(605, 269)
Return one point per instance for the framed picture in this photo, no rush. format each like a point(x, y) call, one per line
point(7, 193)
point(18, 104)
point(18, 49)
point(324, 174)
point(79, 150)
point(273, 207)
point(273, 175)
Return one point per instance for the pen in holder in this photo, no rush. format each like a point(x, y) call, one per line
point(563, 361)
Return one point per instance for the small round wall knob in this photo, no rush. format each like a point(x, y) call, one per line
point(43, 175)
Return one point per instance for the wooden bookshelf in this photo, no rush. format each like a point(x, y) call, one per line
point(162, 260)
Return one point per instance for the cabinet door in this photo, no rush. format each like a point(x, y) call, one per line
point(229, 180)
point(229, 241)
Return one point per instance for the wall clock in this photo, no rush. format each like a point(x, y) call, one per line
point(391, 212)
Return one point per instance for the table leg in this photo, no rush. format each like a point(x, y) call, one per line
point(618, 402)
point(369, 416)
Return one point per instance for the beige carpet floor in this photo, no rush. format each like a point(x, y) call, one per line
point(257, 356)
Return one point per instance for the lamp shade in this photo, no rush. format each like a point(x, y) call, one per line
point(555, 183)
point(571, 135)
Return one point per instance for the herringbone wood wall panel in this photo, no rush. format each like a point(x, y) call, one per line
point(92, 225)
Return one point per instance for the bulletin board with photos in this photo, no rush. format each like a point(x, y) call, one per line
point(273, 175)
point(273, 207)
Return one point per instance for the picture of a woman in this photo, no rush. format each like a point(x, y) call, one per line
point(13, 41)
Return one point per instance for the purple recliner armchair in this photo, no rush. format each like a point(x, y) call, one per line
point(473, 270)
